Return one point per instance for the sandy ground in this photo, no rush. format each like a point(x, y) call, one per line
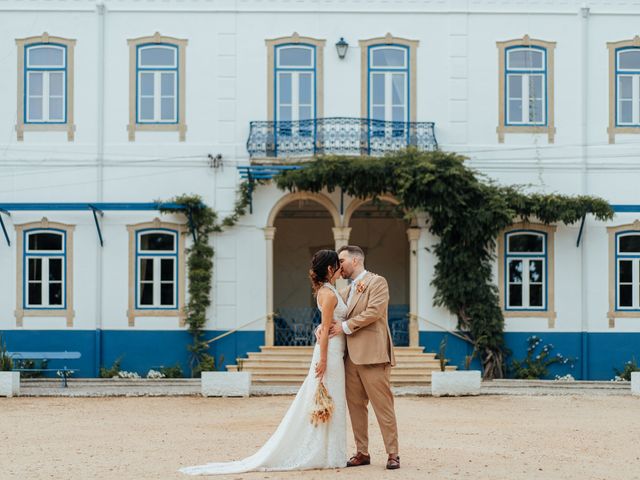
point(487, 437)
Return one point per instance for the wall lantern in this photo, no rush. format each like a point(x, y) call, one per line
point(342, 46)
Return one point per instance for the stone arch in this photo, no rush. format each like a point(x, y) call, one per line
point(357, 203)
point(315, 197)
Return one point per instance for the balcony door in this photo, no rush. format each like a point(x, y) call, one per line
point(295, 93)
point(388, 94)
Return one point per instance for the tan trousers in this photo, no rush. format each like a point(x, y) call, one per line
point(371, 383)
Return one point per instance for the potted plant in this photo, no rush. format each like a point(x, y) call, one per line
point(455, 382)
point(220, 383)
point(9, 380)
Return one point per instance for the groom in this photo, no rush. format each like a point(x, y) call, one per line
point(369, 356)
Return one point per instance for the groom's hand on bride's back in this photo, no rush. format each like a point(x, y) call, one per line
point(334, 330)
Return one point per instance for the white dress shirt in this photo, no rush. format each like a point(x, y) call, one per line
point(352, 289)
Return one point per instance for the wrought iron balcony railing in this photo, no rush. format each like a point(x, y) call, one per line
point(337, 136)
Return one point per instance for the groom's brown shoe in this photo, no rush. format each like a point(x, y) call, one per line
point(358, 460)
point(393, 462)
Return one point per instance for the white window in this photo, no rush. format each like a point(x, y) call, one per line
point(45, 269)
point(628, 271)
point(156, 269)
point(628, 86)
point(388, 89)
point(157, 77)
point(295, 89)
point(526, 86)
point(525, 265)
point(45, 81)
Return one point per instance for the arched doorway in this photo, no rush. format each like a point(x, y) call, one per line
point(381, 231)
point(302, 224)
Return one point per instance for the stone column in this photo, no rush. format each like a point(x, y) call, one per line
point(341, 236)
point(414, 334)
point(269, 334)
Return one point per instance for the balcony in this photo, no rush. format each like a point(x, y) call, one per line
point(301, 139)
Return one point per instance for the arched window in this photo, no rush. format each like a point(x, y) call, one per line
point(526, 87)
point(628, 87)
point(526, 270)
point(157, 80)
point(628, 270)
point(295, 77)
point(45, 85)
point(156, 269)
point(526, 93)
point(45, 252)
point(157, 87)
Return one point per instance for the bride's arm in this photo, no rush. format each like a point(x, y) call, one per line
point(328, 302)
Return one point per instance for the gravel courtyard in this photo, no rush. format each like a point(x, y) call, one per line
point(486, 437)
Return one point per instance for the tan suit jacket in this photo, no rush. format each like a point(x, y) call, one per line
point(370, 339)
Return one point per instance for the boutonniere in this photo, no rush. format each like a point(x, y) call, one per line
point(360, 287)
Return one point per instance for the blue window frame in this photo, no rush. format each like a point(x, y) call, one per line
point(627, 273)
point(157, 83)
point(44, 269)
point(156, 269)
point(45, 81)
point(525, 265)
point(526, 86)
point(388, 90)
point(627, 87)
point(295, 89)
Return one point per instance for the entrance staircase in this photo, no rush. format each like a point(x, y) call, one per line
point(290, 365)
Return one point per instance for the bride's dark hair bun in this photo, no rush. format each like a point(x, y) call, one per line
point(320, 263)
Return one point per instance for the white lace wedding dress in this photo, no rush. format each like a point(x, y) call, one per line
point(297, 444)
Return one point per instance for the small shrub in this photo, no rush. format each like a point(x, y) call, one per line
point(155, 375)
point(441, 353)
point(172, 372)
point(113, 371)
point(469, 358)
point(31, 364)
point(207, 364)
point(625, 373)
point(536, 365)
point(6, 362)
point(125, 374)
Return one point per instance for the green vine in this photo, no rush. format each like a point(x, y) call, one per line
point(203, 221)
point(465, 211)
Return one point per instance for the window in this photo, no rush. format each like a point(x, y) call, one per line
point(628, 271)
point(45, 279)
point(526, 90)
point(526, 86)
point(156, 269)
point(388, 90)
point(295, 93)
point(526, 270)
point(44, 266)
point(157, 85)
point(45, 86)
point(45, 74)
point(628, 86)
point(295, 89)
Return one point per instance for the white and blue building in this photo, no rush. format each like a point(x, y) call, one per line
point(107, 107)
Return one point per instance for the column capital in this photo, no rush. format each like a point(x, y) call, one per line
point(414, 234)
point(269, 233)
point(341, 233)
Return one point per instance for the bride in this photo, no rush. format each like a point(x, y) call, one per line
point(297, 444)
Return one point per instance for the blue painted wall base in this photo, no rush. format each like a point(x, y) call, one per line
point(140, 350)
point(596, 354)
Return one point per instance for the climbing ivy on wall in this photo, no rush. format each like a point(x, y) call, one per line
point(465, 211)
point(202, 221)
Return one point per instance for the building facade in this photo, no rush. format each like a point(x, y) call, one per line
point(108, 107)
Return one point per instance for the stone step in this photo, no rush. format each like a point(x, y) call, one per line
point(268, 363)
point(299, 357)
point(307, 350)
